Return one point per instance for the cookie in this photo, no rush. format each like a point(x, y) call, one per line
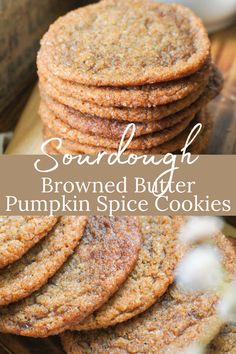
point(175, 322)
point(114, 129)
point(199, 147)
point(150, 278)
point(19, 233)
point(225, 342)
point(134, 114)
point(105, 256)
point(120, 113)
point(137, 96)
point(143, 142)
point(110, 129)
point(52, 151)
point(131, 42)
point(29, 273)
point(173, 145)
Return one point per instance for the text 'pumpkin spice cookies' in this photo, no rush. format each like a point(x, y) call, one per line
point(105, 256)
point(138, 96)
point(225, 342)
point(150, 278)
point(175, 322)
point(41, 262)
point(128, 42)
point(19, 233)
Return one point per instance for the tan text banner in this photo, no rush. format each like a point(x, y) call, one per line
point(36, 185)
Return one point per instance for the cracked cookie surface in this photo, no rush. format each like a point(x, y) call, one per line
point(131, 42)
point(225, 342)
point(175, 322)
point(19, 233)
point(135, 114)
point(173, 145)
point(150, 278)
point(29, 273)
point(105, 256)
point(137, 96)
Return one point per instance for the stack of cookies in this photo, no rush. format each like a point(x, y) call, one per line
point(117, 62)
point(109, 279)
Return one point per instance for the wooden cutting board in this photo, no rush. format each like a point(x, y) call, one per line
point(27, 138)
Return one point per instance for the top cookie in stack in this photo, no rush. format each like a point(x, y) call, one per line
point(106, 65)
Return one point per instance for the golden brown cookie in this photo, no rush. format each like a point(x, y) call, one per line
point(135, 114)
point(33, 270)
point(137, 96)
point(51, 151)
point(105, 256)
point(173, 145)
point(199, 147)
point(147, 141)
point(225, 342)
point(150, 278)
point(19, 233)
point(131, 42)
point(114, 129)
point(177, 321)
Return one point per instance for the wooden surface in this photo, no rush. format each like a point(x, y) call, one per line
point(23, 23)
point(27, 138)
point(10, 115)
point(223, 108)
point(10, 344)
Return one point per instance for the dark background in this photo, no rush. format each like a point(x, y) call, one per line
point(22, 24)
